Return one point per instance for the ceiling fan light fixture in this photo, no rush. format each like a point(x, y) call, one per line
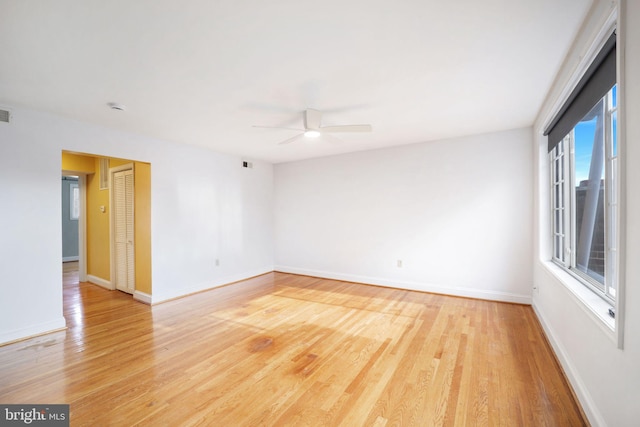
point(313, 128)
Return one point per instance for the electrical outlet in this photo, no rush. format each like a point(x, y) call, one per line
point(399, 263)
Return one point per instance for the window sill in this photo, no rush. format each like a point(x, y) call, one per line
point(592, 304)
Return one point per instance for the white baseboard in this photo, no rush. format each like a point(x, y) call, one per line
point(159, 297)
point(412, 286)
point(70, 258)
point(99, 281)
point(32, 331)
point(581, 391)
point(137, 295)
point(142, 297)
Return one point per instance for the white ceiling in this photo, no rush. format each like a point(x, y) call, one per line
point(203, 72)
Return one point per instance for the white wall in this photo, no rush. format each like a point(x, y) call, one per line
point(205, 206)
point(606, 379)
point(458, 213)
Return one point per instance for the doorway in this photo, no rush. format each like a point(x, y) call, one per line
point(97, 249)
point(70, 218)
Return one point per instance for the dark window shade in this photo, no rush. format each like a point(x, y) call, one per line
point(596, 82)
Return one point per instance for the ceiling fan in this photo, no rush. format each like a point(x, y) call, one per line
point(312, 128)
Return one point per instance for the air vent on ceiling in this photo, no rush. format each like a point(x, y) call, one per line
point(4, 116)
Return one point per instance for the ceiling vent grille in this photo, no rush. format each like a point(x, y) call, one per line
point(4, 116)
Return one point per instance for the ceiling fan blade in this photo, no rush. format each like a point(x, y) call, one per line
point(290, 140)
point(312, 119)
point(277, 127)
point(347, 128)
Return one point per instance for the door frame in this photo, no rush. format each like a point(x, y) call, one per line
point(82, 224)
point(112, 235)
point(82, 229)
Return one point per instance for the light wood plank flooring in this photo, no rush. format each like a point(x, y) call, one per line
point(282, 349)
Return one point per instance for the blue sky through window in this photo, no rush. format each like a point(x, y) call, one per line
point(584, 132)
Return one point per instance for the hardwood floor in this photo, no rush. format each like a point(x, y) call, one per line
point(282, 349)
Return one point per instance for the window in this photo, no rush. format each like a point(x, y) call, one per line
point(583, 156)
point(584, 205)
point(74, 201)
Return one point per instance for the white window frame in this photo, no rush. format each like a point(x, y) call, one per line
point(563, 209)
point(559, 194)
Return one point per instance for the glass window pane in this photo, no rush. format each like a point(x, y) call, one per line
point(614, 131)
point(614, 96)
point(613, 185)
point(589, 193)
point(75, 201)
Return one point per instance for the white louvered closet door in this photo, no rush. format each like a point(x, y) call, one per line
point(123, 230)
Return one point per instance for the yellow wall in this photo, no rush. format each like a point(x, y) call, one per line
point(98, 223)
point(113, 163)
point(72, 162)
point(142, 226)
point(98, 238)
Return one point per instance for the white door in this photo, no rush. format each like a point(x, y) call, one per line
point(122, 209)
